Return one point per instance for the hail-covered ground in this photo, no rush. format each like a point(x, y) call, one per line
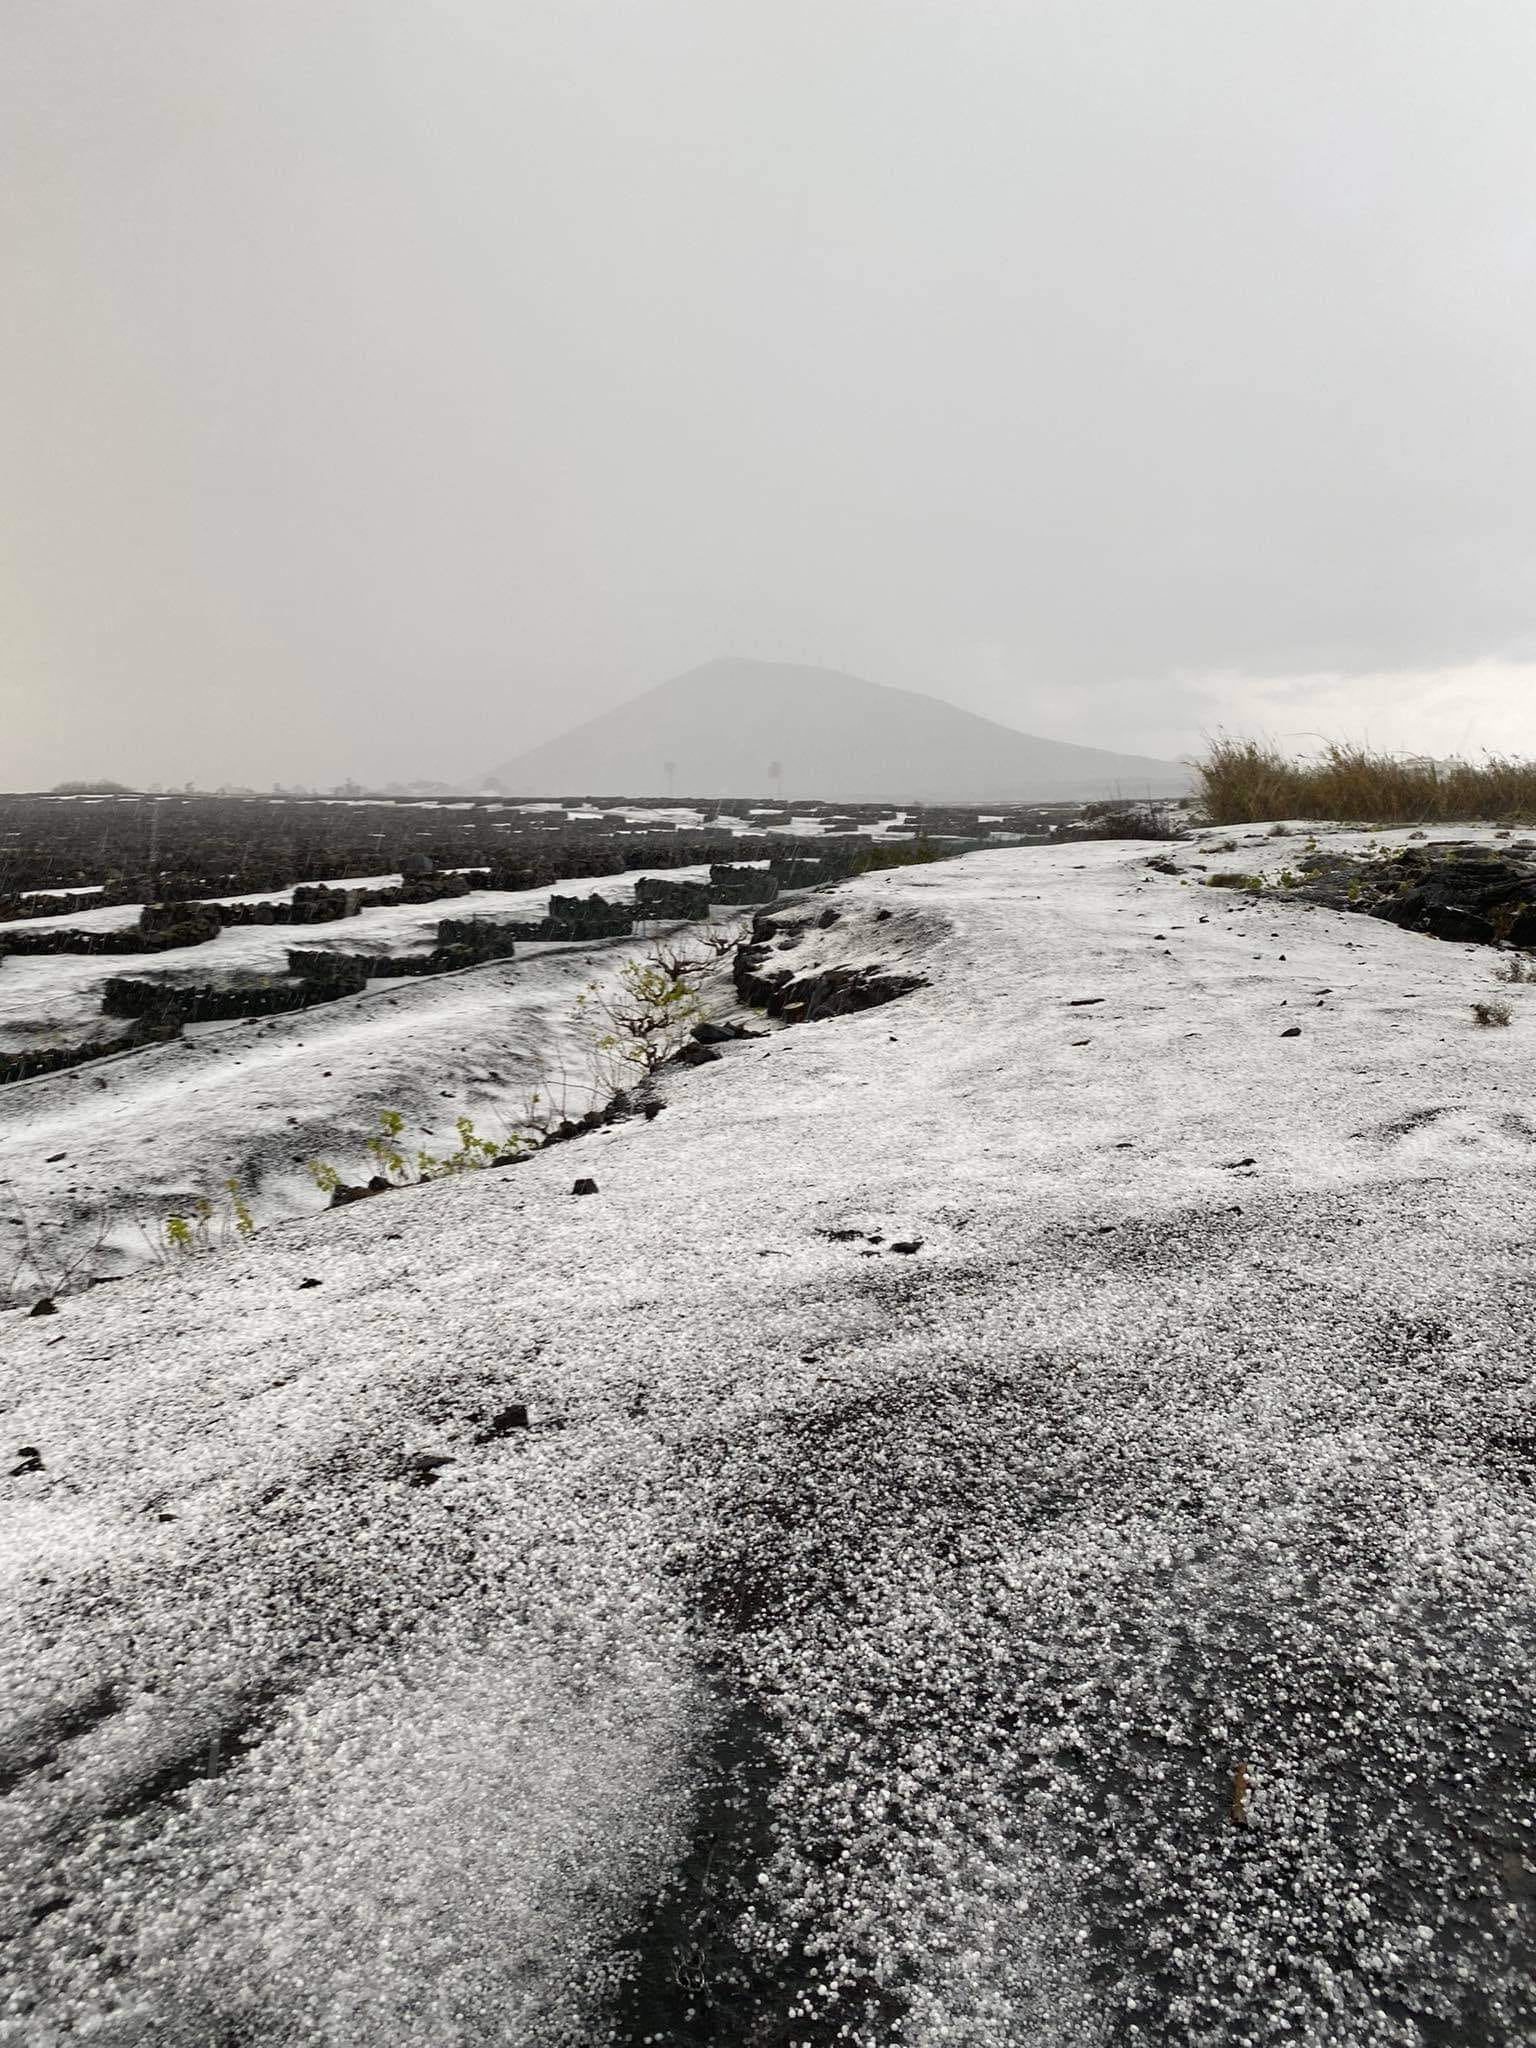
point(95, 1159)
point(1008, 1518)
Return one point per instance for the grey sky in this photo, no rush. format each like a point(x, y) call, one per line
point(384, 387)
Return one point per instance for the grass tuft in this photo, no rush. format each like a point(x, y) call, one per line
point(1246, 782)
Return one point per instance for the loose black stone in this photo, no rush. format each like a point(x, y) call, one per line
point(505, 1421)
point(698, 1055)
point(422, 1467)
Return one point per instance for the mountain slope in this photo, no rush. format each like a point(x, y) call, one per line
point(722, 726)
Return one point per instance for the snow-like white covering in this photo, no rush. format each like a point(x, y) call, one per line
point(929, 1612)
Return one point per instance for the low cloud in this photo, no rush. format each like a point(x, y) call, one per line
point(1486, 708)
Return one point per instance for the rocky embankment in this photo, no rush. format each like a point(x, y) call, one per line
point(1476, 891)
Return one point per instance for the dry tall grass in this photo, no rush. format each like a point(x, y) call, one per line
point(1244, 782)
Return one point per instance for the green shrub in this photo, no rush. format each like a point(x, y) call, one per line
point(383, 1149)
point(641, 1022)
point(209, 1225)
point(904, 853)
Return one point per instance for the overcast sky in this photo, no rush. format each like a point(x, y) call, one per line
point(384, 383)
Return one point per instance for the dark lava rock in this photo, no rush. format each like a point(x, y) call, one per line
point(45, 1307)
point(1437, 912)
point(697, 1055)
point(422, 1467)
point(30, 1460)
point(585, 1187)
point(1460, 892)
point(378, 1185)
point(1083, 1002)
point(908, 1244)
point(712, 1034)
point(341, 1194)
point(1291, 1031)
point(307, 1283)
point(504, 1422)
point(835, 992)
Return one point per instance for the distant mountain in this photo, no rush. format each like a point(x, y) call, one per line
point(721, 730)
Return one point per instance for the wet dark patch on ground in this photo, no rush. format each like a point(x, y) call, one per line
point(35, 1744)
point(693, 1983)
point(208, 1753)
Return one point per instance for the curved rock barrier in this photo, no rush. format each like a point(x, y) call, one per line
point(728, 884)
point(158, 1007)
point(167, 927)
point(37, 1061)
point(161, 928)
point(656, 896)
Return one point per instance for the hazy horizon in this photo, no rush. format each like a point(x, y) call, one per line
point(388, 388)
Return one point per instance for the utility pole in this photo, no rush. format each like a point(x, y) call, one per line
point(154, 852)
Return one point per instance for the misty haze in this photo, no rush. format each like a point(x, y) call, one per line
point(767, 999)
point(741, 725)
